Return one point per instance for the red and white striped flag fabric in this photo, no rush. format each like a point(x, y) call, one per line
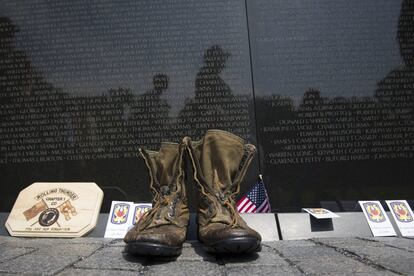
point(255, 201)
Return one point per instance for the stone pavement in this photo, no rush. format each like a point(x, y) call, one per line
point(98, 256)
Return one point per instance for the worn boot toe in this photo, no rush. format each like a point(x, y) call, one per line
point(165, 241)
point(221, 238)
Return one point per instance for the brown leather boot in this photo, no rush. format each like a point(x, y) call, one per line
point(220, 161)
point(162, 230)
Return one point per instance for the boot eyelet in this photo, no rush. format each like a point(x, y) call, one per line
point(165, 190)
point(221, 196)
point(170, 215)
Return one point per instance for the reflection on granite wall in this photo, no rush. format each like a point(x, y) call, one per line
point(342, 125)
point(83, 85)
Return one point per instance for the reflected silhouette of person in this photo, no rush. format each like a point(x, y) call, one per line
point(151, 110)
point(209, 107)
point(312, 97)
point(208, 82)
point(13, 84)
point(160, 83)
point(19, 78)
point(396, 91)
point(7, 33)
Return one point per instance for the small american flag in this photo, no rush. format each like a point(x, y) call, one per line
point(255, 201)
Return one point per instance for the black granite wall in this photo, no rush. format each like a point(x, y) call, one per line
point(324, 89)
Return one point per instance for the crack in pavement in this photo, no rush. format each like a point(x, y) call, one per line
point(81, 258)
point(386, 244)
point(286, 259)
point(357, 257)
point(34, 249)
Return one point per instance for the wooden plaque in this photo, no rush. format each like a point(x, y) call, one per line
point(55, 209)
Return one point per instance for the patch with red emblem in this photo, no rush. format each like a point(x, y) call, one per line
point(401, 212)
point(374, 212)
point(120, 213)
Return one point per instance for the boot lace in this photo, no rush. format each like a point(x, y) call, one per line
point(227, 199)
point(160, 201)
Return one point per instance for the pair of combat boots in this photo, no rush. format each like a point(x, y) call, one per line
point(219, 163)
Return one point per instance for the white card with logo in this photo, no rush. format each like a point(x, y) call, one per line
point(123, 216)
point(320, 213)
point(119, 219)
point(377, 219)
point(403, 216)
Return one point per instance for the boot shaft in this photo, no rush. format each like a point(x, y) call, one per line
point(220, 159)
point(165, 168)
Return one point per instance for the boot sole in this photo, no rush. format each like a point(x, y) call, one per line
point(152, 249)
point(235, 245)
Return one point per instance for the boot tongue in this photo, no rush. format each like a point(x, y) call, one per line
point(168, 163)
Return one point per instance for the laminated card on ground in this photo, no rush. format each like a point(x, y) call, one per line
point(377, 219)
point(123, 216)
point(320, 213)
point(403, 216)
